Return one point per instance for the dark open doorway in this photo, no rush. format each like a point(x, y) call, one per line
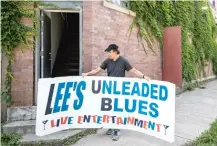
point(67, 58)
point(59, 45)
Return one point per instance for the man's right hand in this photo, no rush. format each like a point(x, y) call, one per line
point(93, 72)
point(84, 74)
point(147, 78)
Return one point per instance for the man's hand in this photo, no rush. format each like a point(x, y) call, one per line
point(93, 72)
point(147, 78)
point(139, 74)
point(84, 74)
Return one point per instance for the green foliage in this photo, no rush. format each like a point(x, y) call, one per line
point(209, 137)
point(15, 34)
point(198, 30)
point(10, 139)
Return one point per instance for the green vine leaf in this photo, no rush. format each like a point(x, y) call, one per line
point(199, 31)
point(15, 34)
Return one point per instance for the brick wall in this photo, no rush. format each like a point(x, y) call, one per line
point(103, 26)
point(87, 35)
point(22, 86)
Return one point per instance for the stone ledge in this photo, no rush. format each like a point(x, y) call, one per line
point(203, 79)
point(194, 83)
point(56, 139)
point(20, 127)
point(32, 138)
point(21, 113)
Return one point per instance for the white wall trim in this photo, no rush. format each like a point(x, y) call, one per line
point(63, 11)
point(118, 8)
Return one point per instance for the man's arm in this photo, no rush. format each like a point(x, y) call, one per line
point(93, 72)
point(139, 74)
point(129, 68)
point(103, 66)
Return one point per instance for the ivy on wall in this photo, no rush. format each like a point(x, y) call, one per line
point(16, 34)
point(199, 30)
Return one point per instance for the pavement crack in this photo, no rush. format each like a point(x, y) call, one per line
point(184, 138)
point(208, 118)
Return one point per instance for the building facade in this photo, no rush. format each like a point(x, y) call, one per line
point(103, 23)
point(99, 23)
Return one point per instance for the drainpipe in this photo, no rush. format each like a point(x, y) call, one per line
point(42, 46)
point(1, 72)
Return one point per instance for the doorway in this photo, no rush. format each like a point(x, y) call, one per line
point(59, 46)
point(65, 50)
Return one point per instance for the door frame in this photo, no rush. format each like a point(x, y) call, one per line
point(37, 51)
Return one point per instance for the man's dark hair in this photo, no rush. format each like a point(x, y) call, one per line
point(116, 50)
point(113, 47)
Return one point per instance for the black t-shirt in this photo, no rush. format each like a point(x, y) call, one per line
point(116, 68)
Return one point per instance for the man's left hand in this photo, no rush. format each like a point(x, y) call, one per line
point(147, 78)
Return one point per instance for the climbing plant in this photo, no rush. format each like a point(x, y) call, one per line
point(14, 33)
point(199, 31)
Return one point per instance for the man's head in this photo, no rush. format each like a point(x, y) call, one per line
point(113, 51)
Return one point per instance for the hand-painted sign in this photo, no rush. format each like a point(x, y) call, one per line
point(108, 102)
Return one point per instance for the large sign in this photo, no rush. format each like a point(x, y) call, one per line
point(106, 102)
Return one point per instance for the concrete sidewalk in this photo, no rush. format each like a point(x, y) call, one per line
point(195, 111)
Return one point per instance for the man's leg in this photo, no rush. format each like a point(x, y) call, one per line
point(110, 131)
point(116, 134)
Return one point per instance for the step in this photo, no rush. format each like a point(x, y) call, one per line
point(68, 59)
point(67, 66)
point(20, 127)
point(70, 70)
point(65, 69)
point(64, 56)
point(69, 50)
point(71, 65)
point(22, 113)
point(54, 139)
point(71, 45)
point(60, 63)
point(62, 59)
point(62, 74)
point(61, 138)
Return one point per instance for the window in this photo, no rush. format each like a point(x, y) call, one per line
point(122, 3)
point(119, 5)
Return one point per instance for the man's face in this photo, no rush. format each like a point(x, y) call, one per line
point(112, 54)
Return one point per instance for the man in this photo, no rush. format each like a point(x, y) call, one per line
point(116, 66)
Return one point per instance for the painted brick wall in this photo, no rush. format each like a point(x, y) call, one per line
point(172, 69)
point(22, 86)
point(103, 26)
point(87, 35)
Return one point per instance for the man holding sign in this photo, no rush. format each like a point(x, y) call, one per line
point(116, 66)
point(109, 102)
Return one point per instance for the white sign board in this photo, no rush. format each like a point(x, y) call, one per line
point(108, 102)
